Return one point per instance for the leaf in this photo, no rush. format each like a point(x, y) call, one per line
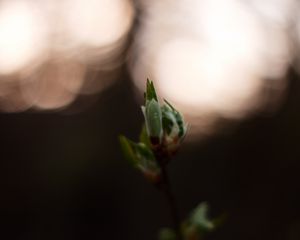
point(142, 158)
point(150, 91)
point(153, 119)
point(169, 104)
point(167, 124)
point(195, 227)
point(144, 154)
point(178, 118)
point(128, 151)
point(200, 217)
point(167, 234)
point(168, 119)
point(147, 163)
point(144, 138)
point(152, 114)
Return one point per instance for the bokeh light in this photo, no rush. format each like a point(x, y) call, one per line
point(97, 23)
point(55, 85)
point(214, 59)
point(23, 35)
point(51, 51)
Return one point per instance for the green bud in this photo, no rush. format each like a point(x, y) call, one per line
point(141, 157)
point(152, 114)
point(150, 91)
point(199, 224)
point(153, 121)
point(144, 138)
point(128, 150)
point(174, 127)
point(200, 218)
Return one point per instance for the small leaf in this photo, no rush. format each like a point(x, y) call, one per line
point(153, 119)
point(147, 163)
point(144, 154)
point(144, 138)
point(200, 219)
point(179, 119)
point(168, 119)
point(169, 104)
point(141, 157)
point(128, 150)
point(167, 234)
point(150, 91)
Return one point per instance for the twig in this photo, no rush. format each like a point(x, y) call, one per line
point(165, 187)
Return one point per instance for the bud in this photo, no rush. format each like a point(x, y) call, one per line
point(152, 114)
point(141, 157)
point(174, 127)
point(198, 224)
point(199, 217)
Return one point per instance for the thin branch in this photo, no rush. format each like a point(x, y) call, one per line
point(165, 187)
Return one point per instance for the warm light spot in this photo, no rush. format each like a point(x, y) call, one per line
point(22, 35)
point(53, 50)
point(97, 23)
point(55, 85)
point(13, 101)
point(276, 11)
point(193, 75)
point(213, 59)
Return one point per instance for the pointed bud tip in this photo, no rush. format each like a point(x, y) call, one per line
point(150, 91)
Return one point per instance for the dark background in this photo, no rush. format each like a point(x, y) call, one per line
point(62, 174)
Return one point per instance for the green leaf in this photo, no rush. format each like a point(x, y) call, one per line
point(150, 91)
point(198, 224)
point(167, 234)
point(168, 119)
point(147, 163)
point(154, 118)
point(200, 217)
point(128, 150)
point(144, 154)
point(144, 138)
point(142, 158)
point(167, 124)
point(179, 119)
point(169, 104)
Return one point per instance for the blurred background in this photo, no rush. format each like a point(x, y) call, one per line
point(72, 74)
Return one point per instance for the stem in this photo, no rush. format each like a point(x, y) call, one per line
point(166, 189)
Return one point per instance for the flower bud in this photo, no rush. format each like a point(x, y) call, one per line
point(174, 127)
point(198, 223)
point(153, 121)
point(141, 157)
point(153, 115)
